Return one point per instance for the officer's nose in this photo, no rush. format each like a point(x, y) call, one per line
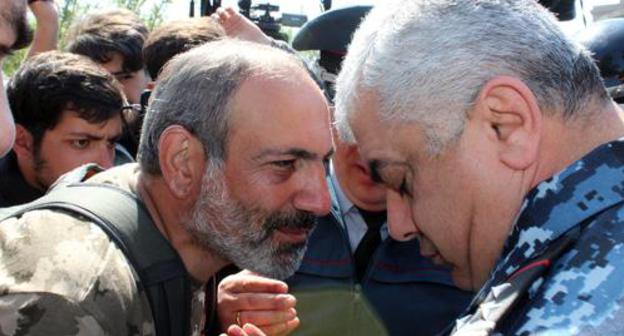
point(314, 194)
point(401, 225)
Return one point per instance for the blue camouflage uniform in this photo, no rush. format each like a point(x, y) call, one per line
point(583, 290)
point(407, 293)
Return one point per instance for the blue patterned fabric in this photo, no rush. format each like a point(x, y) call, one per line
point(583, 293)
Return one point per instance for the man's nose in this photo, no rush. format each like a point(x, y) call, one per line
point(314, 196)
point(105, 157)
point(401, 225)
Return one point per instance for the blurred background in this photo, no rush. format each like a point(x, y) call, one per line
point(282, 18)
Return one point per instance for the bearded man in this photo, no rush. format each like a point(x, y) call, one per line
point(231, 170)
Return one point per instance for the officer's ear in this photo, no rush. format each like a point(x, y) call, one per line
point(512, 119)
point(181, 158)
point(24, 146)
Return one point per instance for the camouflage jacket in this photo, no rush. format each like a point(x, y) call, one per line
point(61, 275)
point(582, 293)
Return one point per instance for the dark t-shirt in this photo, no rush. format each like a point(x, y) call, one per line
point(14, 190)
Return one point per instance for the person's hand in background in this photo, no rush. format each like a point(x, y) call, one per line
point(47, 21)
point(246, 297)
point(238, 26)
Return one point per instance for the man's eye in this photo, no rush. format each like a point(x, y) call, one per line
point(80, 143)
point(284, 164)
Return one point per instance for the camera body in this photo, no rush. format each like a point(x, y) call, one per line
point(262, 15)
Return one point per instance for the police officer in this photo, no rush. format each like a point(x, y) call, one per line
point(502, 153)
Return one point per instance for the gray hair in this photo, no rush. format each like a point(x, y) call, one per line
point(195, 90)
point(426, 60)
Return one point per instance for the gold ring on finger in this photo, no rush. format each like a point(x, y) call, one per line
point(238, 319)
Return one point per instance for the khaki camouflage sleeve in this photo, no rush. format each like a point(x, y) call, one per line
point(44, 314)
point(61, 275)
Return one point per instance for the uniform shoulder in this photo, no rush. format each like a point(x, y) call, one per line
point(583, 290)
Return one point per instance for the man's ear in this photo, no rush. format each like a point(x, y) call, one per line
point(513, 119)
point(24, 146)
point(182, 161)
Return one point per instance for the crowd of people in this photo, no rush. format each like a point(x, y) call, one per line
point(454, 168)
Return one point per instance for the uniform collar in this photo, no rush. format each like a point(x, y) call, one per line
point(583, 189)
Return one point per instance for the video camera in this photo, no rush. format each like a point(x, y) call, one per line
point(260, 14)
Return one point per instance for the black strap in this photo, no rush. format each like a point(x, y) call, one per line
point(126, 221)
point(213, 327)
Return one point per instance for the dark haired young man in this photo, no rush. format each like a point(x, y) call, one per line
point(114, 39)
point(67, 112)
point(176, 37)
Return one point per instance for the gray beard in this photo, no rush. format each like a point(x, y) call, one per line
point(244, 235)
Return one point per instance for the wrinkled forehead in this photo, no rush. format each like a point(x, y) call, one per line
point(280, 109)
point(378, 138)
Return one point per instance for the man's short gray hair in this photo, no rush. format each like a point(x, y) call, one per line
point(195, 90)
point(426, 60)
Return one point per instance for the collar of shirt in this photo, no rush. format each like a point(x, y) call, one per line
point(344, 205)
point(347, 213)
